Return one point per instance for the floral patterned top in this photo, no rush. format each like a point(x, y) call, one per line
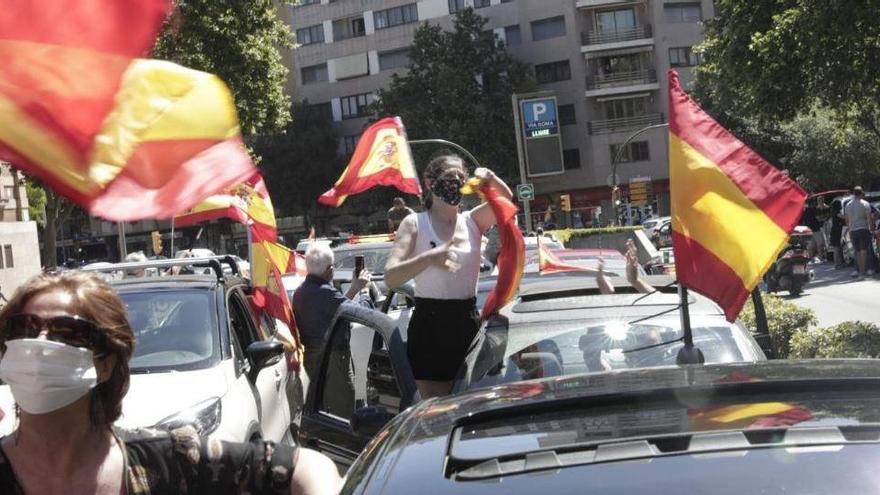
point(159, 462)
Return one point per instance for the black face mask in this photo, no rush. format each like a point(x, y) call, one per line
point(449, 190)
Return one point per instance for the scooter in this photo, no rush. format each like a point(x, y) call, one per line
point(790, 271)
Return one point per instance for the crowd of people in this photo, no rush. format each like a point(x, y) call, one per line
point(849, 224)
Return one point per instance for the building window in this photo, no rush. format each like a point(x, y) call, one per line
point(479, 4)
point(553, 72)
point(310, 35)
point(349, 143)
point(625, 108)
point(300, 3)
point(352, 27)
point(567, 115)
point(506, 1)
point(544, 29)
point(683, 56)
point(614, 21)
point(394, 59)
point(7, 253)
point(683, 12)
point(571, 159)
point(512, 35)
point(396, 16)
point(321, 111)
point(354, 106)
point(313, 74)
point(456, 6)
point(633, 152)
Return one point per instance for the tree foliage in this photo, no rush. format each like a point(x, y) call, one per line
point(238, 41)
point(851, 339)
point(458, 88)
point(784, 319)
point(300, 163)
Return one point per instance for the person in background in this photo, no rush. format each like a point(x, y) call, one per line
point(861, 229)
point(810, 218)
point(397, 213)
point(66, 344)
point(836, 236)
point(137, 257)
point(315, 303)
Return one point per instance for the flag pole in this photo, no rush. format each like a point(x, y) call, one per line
point(172, 237)
point(687, 354)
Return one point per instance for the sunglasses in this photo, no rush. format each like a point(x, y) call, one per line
point(70, 330)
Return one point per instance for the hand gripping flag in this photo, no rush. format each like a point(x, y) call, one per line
point(550, 263)
point(381, 158)
point(512, 251)
point(731, 210)
point(124, 138)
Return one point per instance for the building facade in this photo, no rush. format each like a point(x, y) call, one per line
point(19, 247)
point(605, 60)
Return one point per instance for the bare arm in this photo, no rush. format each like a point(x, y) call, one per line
point(632, 271)
point(402, 265)
point(483, 214)
point(602, 281)
point(314, 474)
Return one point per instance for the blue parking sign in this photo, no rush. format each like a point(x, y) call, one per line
point(539, 117)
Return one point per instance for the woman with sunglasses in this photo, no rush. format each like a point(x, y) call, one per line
point(66, 343)
point(440, 249)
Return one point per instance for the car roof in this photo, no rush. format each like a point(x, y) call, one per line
point(364, 246)
point(143, 284)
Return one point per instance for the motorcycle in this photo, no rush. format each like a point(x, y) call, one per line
point(790, 271)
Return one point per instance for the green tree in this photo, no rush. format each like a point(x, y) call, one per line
point(458, 88)
point(300, 163)
point(239, 41)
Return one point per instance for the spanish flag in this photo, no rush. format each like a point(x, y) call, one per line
point(124, 138)
point(731, 210)
point(550, 263)
point(381, 158)
point(512, 252)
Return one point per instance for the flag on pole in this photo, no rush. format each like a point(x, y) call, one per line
point(248, 200)
point(732, 211)
point(381, 158)
point(548, 262)
point(512, 251)
point(122, 137)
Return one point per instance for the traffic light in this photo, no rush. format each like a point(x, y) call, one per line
point(157, 242)
point(615, 196)
point(565, 202)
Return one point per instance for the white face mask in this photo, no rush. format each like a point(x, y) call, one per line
point(44, 375)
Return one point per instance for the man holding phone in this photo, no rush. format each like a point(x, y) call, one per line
point(314, 305)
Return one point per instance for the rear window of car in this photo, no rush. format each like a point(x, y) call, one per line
point(374, 259)
point(175, 330)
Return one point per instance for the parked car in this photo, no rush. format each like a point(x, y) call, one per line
point(651, 224)
point(560, 329)
point(766, 427)
point(203, 357)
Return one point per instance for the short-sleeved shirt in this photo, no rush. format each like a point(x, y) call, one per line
point(397, 215)
point(184, 463)
point(315, 303)
point(858, 213)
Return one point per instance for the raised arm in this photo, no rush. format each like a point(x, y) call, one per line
point(483, 214)
point(402, 265)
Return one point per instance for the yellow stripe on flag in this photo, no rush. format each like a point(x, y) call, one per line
point(732, 414)
point(710, 209)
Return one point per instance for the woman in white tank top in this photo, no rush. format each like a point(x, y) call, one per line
point(440, 250)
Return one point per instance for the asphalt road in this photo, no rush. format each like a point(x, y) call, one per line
point(836, 297)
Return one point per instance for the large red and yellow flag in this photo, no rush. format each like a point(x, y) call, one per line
point(381, 158)
point(732, 211)
point(123, 137)
point(512, 250)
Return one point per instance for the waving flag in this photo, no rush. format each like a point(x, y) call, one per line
point(512, 252)
point(550, 263)
point(248, 200)
point(381, 158)
point(731, 210)
point(124, 138)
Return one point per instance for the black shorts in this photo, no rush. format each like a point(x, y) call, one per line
point(861, 239)
point(439, 335)
point(836, 232)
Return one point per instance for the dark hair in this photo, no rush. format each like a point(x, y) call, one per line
point(94, 300)
point(858, 191)
point(437, 167)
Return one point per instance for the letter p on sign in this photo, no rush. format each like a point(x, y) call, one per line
point(539, 109)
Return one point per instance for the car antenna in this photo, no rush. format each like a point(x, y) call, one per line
point(688, 354)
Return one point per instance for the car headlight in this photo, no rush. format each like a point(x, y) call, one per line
point(204, 417)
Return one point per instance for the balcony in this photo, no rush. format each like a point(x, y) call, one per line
point(590, 4)
point(609, 126)
point(621, 82)
point(593, 41)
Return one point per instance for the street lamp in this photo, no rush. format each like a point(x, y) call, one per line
point(615, 189)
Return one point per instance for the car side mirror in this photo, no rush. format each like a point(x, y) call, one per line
point(368, 420)
point(263, 354)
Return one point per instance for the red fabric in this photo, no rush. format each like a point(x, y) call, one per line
point(352, 182)
point(550, 263)
point(699, 269)
point(208, 215)
point(512, 252)
point(778, 196)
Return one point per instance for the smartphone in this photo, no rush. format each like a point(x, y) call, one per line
point(358, 265)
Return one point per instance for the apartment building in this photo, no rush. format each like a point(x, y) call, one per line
point(605, 60)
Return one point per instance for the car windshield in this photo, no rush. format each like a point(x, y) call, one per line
point(175, 330)
point(374, 258)
point(538, 350)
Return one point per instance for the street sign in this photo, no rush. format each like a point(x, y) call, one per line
point(639, 190)
point(525, 192)
point(539, 117)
